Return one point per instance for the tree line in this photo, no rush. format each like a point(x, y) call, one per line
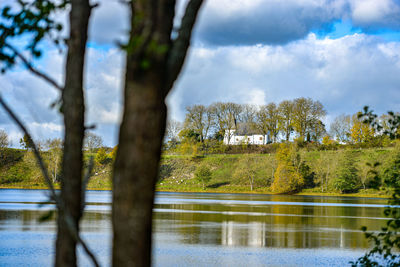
point(301, 116)
point(350, 129)
point(299, 120)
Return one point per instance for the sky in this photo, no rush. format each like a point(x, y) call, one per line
point(343, 53)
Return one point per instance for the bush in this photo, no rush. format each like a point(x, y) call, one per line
point(287, 180)
point(10, 156)
point(18, 172)
point(203, 174)
point(101, 156)
point(391, 175)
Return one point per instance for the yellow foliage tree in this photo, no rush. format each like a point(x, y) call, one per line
point(287, 178)
point(361, 132)
point(327, 141)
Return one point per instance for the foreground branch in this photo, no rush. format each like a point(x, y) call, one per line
point(181, 44)
point(59, 204)
point(34, 70)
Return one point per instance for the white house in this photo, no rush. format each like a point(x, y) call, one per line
point(232, 138)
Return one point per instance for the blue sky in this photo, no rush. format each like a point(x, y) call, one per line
point(344, 53)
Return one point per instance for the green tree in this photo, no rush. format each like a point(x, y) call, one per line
point(346, 179)
point(368, 172)
point(203, 174)
point(391, 175)
point(24, 142)
point(113, 153)
point(306, 116)
point(101, 156)
point(287, 178)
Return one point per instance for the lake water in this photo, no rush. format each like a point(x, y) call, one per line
point(194, 229)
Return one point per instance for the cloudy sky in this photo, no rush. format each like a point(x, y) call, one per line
point(344, 53)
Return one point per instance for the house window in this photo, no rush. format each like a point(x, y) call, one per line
point(237, 139)
point(260, 138)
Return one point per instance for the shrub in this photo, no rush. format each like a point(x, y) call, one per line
point(203, 174)
point(101, 156)
point(286, 180)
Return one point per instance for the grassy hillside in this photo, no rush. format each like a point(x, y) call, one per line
point(177, 172)
point(229, 173)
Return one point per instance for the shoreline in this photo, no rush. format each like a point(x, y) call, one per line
point(255, 192)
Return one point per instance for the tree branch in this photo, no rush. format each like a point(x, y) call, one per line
point(32, 144)
point(59, 204)
point(181, 44)
point(33, 70)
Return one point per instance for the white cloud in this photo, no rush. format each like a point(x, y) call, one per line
point(372, 11)
point(344, 74)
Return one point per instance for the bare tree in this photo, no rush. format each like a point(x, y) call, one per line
point(54, 148)
point(234, 113)
point(199, 119)
point(92, 141)
point(249, 112)
point(285, 110)
point(173, 129)
point(154, 61)
point(221, 118)
point(227, 116)
point(340, 128)
point(268, 119)
point(3, 139)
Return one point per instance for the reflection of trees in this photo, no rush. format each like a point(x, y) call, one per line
point(287, 226)
point(28, 220)
point(284, 226)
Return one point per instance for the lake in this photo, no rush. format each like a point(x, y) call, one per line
point(204, 229)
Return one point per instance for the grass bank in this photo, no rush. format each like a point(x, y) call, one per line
point(227, 172)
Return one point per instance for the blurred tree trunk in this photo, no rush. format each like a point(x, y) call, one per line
point(73, 109)
point(154, 61)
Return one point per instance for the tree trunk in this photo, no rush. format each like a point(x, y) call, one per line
point(73, 110)
point(153, 63)
point(135, 173)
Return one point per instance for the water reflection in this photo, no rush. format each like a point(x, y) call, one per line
point(268, 226)
point(213, 220)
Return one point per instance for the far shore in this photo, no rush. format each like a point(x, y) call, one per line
point(209, 190)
